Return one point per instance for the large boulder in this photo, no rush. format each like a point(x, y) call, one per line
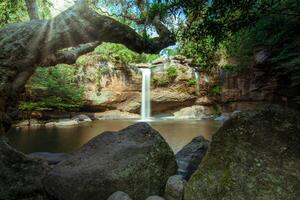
point(194, 112)
point(163, 99)
point(136, 160)
point(255, 155)
point(190, 156)
point(20, 175)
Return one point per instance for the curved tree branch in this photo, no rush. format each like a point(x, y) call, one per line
point(27, 45)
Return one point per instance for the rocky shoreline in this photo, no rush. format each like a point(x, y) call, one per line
point(136, 163)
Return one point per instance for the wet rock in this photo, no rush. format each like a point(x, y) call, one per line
point(136, 160)
point(155, 198)
point(194, 112)
point(29, 123)
point(116, 114)
point(66, 122)
point(50, 124)
point(82, 118)
point(190, 156)
point(255, 155)
point(119, 196)
point(174, 188)
point(50, 158)
point(20, 175)
point(221, 118)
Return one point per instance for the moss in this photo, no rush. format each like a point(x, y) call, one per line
point(172, 72)
point(191, 82)
point(253, 156)
point(160, 82)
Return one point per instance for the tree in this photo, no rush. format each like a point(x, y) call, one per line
point(32, 9)
point(62, 39)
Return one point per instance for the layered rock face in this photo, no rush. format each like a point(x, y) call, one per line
point(255, 155)
point(111, 85)
point(136, 160)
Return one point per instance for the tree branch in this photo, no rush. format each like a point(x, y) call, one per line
point(25, 46)
point(32, 9)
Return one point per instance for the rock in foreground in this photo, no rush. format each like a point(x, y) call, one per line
point(190, 156)
point(50, 158)
point(174, 188)
point(136, 160)
point(20, 176)
point(253, 156)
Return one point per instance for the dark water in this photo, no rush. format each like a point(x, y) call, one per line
point(68, 139)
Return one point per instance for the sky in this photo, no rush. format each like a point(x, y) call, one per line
point(60, 5)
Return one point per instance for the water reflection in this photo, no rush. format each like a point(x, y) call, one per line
point(176, 133)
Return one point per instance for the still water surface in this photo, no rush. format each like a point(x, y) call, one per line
point(68, 139)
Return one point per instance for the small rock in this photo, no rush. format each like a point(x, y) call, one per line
point(116, 114)
point(155, 198)
point(66, 122)
point(50, 124)
point(119, 196)
point(235, 113)
point(220, 118)
point(31, 123)
point(174, 188)
point(190, 156)
point(82, 118)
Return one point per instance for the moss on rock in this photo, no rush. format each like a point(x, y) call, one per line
point(255, 155)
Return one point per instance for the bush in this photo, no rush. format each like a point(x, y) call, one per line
point(192, 82)
point(172, 72)
point(121, 53)
point(216, 90)
point(160, 82)
point(58, 89)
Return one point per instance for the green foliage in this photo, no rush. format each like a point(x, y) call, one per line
point(204, 52)
point(172, 72)
point(160, 82)
point(216, 90)
point(58, 87)
point(119, 52)
point(12, 11)
point(192, 82)
point(169, 52)
point(217, 110)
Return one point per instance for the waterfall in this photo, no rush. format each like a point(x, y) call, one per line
point(146, 101)
point(197, 77)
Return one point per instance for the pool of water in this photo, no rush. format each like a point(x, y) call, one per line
point(68, 139)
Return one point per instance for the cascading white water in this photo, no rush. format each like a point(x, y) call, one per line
point(197, 78)
point(146, 101)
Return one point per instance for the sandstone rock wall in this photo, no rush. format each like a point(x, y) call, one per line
point(112, 85)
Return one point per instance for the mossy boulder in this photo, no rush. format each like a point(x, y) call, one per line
point(20, 175)
point(135, 160)
point(255, 155)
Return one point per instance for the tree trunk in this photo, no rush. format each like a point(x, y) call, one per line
point(32, 9)
point(27, 45)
